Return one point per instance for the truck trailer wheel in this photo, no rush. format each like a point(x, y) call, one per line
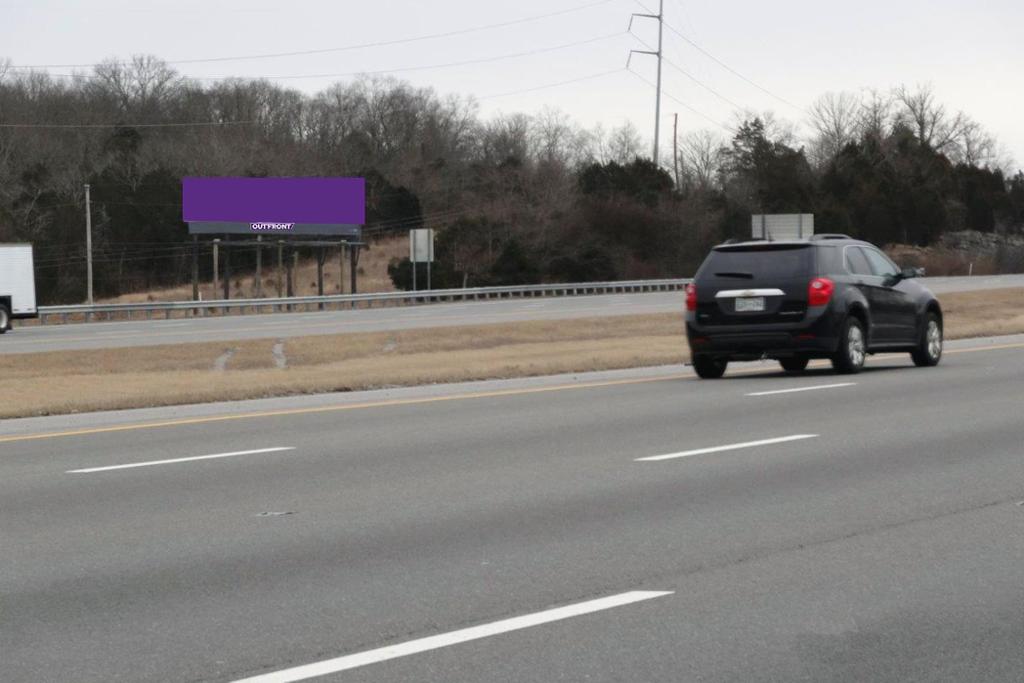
point(5, 318)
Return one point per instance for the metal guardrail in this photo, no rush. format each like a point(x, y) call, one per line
point(147, 309)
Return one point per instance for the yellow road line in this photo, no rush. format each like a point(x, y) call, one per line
point(412, 401)
point(338, 408)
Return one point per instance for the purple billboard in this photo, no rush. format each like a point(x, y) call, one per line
point(301, 206)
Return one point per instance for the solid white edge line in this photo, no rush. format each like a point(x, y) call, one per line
point(330, 666)
point(176, 460)
point(798, 389)
point(729, 447)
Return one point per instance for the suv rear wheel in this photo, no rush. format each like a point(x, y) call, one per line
point(929, 348)
point(849, 357)
point(794, 364)
point(707, 367)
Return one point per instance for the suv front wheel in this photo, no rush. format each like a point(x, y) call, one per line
point(849, 357)
point(707, 367)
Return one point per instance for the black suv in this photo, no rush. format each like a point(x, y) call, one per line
point(829, 296)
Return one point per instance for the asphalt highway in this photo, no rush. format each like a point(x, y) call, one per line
point(639, 525)
point(286, 325)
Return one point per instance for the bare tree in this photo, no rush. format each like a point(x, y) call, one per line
point(834, 117)
point(625, 143)
point(556, 140)
point(506, 137)
point(701, 155)
point(975, 146)
point(933, 125)
point(875, 117)
point(140, 87)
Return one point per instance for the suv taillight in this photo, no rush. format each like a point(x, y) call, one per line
point(691, 297)
point(819, 291)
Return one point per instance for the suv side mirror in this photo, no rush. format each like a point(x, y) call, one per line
point(904, 274)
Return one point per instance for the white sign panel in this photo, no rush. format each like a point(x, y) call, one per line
point(782, 226)
point(421, 246)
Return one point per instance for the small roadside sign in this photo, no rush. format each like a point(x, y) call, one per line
point(421, 246)
point(421, 250)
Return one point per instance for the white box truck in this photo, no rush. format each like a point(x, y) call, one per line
point(17, 284)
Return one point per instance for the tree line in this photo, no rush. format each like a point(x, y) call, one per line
point(515, 198)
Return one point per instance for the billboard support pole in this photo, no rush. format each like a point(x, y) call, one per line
point(280, 268)
point(227, 268)
point(289, 285)
point(216, 267)
point(320, 255)
point(353, 259)
point(259, 267)
point(195, 271)
point(341, 268)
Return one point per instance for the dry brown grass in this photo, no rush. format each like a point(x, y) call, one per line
point(986, 313)
point(63, 382)
point(372, 271)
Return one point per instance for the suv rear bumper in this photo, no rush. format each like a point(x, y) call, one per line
point(815, 338)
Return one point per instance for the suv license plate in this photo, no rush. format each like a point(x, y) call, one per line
point(749, 304)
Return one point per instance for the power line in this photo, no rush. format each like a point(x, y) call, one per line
point(359, 46)
point(553, 85)
point(425, 67)
point(681, 103)
point(126, 125)
point(702, 84)
point(731, 70)
point(690, 76)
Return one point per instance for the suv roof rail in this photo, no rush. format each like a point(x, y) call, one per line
point(736, 240)
point(830, 236)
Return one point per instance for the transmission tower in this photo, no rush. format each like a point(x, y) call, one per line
point(657, 53)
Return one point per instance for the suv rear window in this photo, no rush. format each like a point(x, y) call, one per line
point(758, 262)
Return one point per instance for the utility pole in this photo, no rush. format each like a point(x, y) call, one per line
point(657, 53)
point(675, 147)
point(88, 245)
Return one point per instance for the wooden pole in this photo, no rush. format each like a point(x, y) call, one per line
point(675, 147)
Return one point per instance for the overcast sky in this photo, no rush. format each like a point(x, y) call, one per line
point(970, 51)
